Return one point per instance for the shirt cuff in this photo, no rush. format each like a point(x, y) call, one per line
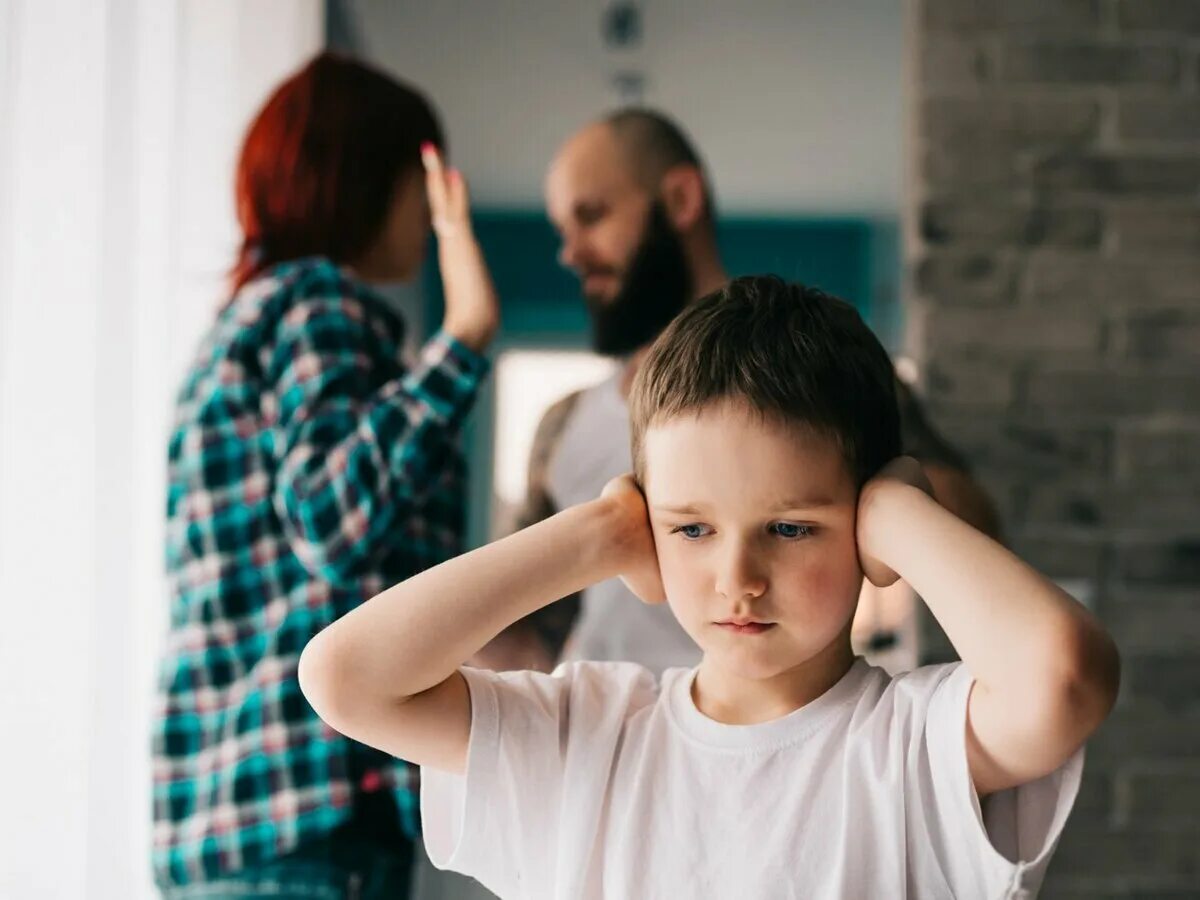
point(447, 376)
point(453, 806)
point(445, 349)
point(1013, 833)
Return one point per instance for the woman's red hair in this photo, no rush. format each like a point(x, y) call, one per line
point(321, 161)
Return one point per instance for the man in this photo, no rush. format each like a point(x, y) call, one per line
point(632, 203)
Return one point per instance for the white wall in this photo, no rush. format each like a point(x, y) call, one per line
point(48, 553)
point(794, 103)
point(233, 53)
point(119, 125)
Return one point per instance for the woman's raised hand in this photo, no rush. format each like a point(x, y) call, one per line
point(472, 311)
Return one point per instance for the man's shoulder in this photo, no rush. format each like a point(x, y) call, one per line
point(554, 420)
point(556, 417)
point(548, 436)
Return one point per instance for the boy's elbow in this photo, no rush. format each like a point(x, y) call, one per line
point(337, 687)
point(1088, 677)
point(322, 681)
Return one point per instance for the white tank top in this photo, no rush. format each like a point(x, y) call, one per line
point(613, 624)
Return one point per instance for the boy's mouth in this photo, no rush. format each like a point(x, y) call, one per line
point(747, 626)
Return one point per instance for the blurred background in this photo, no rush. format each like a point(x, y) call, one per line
point(1008, 191)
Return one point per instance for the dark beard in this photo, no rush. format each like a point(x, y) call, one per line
point(656, 287)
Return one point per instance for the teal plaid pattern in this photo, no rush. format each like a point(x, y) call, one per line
point(309, 468)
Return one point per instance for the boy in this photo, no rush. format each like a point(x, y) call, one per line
point(766, 486)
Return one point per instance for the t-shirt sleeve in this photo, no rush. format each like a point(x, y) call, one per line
point(538, 762)
point(1002, 846)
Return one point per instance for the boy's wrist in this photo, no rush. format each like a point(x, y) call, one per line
point(601, 548)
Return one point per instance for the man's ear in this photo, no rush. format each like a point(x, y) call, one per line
point(683, 196)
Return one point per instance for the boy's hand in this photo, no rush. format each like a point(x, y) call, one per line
point(632, 539)
point(902, 473)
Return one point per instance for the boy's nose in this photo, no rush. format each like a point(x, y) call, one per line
point(740, 576)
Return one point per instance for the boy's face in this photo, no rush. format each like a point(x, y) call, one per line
point(754, 525)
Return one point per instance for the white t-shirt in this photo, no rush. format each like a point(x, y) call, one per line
point(599, 781)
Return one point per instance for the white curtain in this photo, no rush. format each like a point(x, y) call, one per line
point(119, 124)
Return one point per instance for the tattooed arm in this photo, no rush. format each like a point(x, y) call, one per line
point(536, 641)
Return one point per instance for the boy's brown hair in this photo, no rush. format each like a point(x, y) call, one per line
point(792, 353)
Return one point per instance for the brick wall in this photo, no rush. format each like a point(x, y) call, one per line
point(1054, 309)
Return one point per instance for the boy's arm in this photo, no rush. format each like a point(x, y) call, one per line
point(386, 674)
point(1046, 672)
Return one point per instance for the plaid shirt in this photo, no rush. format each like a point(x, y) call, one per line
point(308, 470)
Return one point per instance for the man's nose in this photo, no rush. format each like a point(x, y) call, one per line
point(568, 252)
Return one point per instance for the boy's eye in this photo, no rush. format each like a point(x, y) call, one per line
point(792, 530)
point(692, 531)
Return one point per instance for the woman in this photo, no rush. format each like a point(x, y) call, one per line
point(309, 468)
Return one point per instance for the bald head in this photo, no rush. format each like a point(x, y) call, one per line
point(652, 145)
point(633, 143)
